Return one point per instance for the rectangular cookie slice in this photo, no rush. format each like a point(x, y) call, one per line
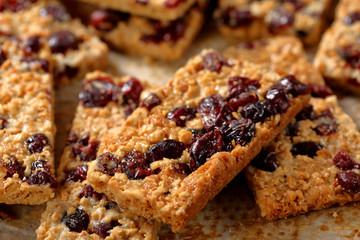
point(193, 135)
point(338, 55)
point(27, 129)
point(247, 20)
point(166, 40)
point(77, 210)
point(75, 50)
point(163, 10)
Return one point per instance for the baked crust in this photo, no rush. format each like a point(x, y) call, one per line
point(169, 196)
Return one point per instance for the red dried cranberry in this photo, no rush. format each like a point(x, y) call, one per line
point(172, 3)
point(36, 143)
point(351, 54)
point(3, 123)
point(292, 129)
point(170, 33)
point(278, 98)
point(103, 229)
point(350, 181)
point(242, 99)
point(136, 166)
point(258, 111)
point(107, 163)
point(89, 192)
point(352, 18)
point(203, 147)
point(37, 63)
point(181, 114)
point(15, 5)
point(150, 101)
point(13, 167)
point(235, 18)
point(40, 164)
point(238, 85)
point(306, 113)
point(130, 108)
point(293, 86)
point(79, 174)
point(131, 90)
point(41, 177)
point(84, 149)
point(32, 45)
point(72, 138)
point(265, 161)
point(62, 40)
point(213, 61)
point(169, 148)
point(280, 20)
point(214, 112)
point(306, 148)
point(98, 93)
point(3, 56)
point(181, 168)
point(78, 221)
point(57, 11)
point(320, 91)
point(326, 124)
point(241, 131)
point(343, 161)
point(106, 20)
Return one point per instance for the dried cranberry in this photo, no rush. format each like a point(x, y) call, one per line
point(350, 181)
point(169, 33)
point(169, 148)
point(131, 90)
point(203, 147)
point(280, 20)
point(181, 114)
point(13, 167)
point(235, 18)
point(351, 54)
point(242, 100)
point(326, 124)
point(15, 5)
point(258, 111)
point(107, 163)
point(292, 129)
point(213, 61)
point(241, 131)
point(150, 101)
point(136, 166)
point(40, 177)
point(306, 113)
point(3, 56)
point(57, 11)
point(98, 93)
point(103, 229)
point(79, 174)
point(37, 63)
point(265, 161)
point(89, 192)
point(214, 112)
point(85, 149)
point(32, 45)
point(293, 86)
point(106, 20)
point(352, 18)
point(78, 221)
point(3, 123)
point(63, 40)
point(181, 168)
point(36, 143)
point(72, 138)
point(320, 91)
point(238, 85)
point(306, 148)
point(343, 161)
point(40, 164)
point(278, 98)
point(172, 3)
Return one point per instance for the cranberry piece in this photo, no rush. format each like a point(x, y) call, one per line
point(320, 91)
point(57, 11)
point(107, 163)
point(98, 93)
point(13, 167)
point(37, 63)
point(343, 161)
point(214, 111)
point(73, 138)
point(235, 18)
point(131, 90)
point(32, 45)
point(41, 177)
point(84, 149)
point(3, 57)
point(169, 148)
point(181, 114)
point(278, 98)
point(78, 221)
point(106, 20)
point(103, 229)
point(326, 123)
point(170, 33)
point(3, 123)
point(150, 101)
point(40, 164)
point(203, 147)
point(36, 143)
point(15, 5)
point(79, 174)
point(281, 19)
point(241, 131)
point(213, 61)
point(350, 181)
point(181, 168)
point(89, 192)
point(293, 86)
point(351, 54)
point(136, 166)
point(258, 111)
point(265, 161)
point(306, 113)
point(352, 18)
point(306, 148)
point(242, 100)
point(292, 129)
point(238, 85)
point(172, 3)
point(62, 40)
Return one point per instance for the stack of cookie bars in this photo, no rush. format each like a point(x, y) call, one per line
point(138, 156)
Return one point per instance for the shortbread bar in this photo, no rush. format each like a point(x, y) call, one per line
point(193, 135)
point(27, 128)
point(338, 55)
point(78, 212)
point(248, 20)
point(74, 49)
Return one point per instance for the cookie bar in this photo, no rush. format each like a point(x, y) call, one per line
point(27, 128)
point(74, 48)
point(248, 20)
point(312, 164)
point(78, 211)
point(191, 136)
point(338, 55)
point(166, 40)
point(282, 54)
point(163, 10)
